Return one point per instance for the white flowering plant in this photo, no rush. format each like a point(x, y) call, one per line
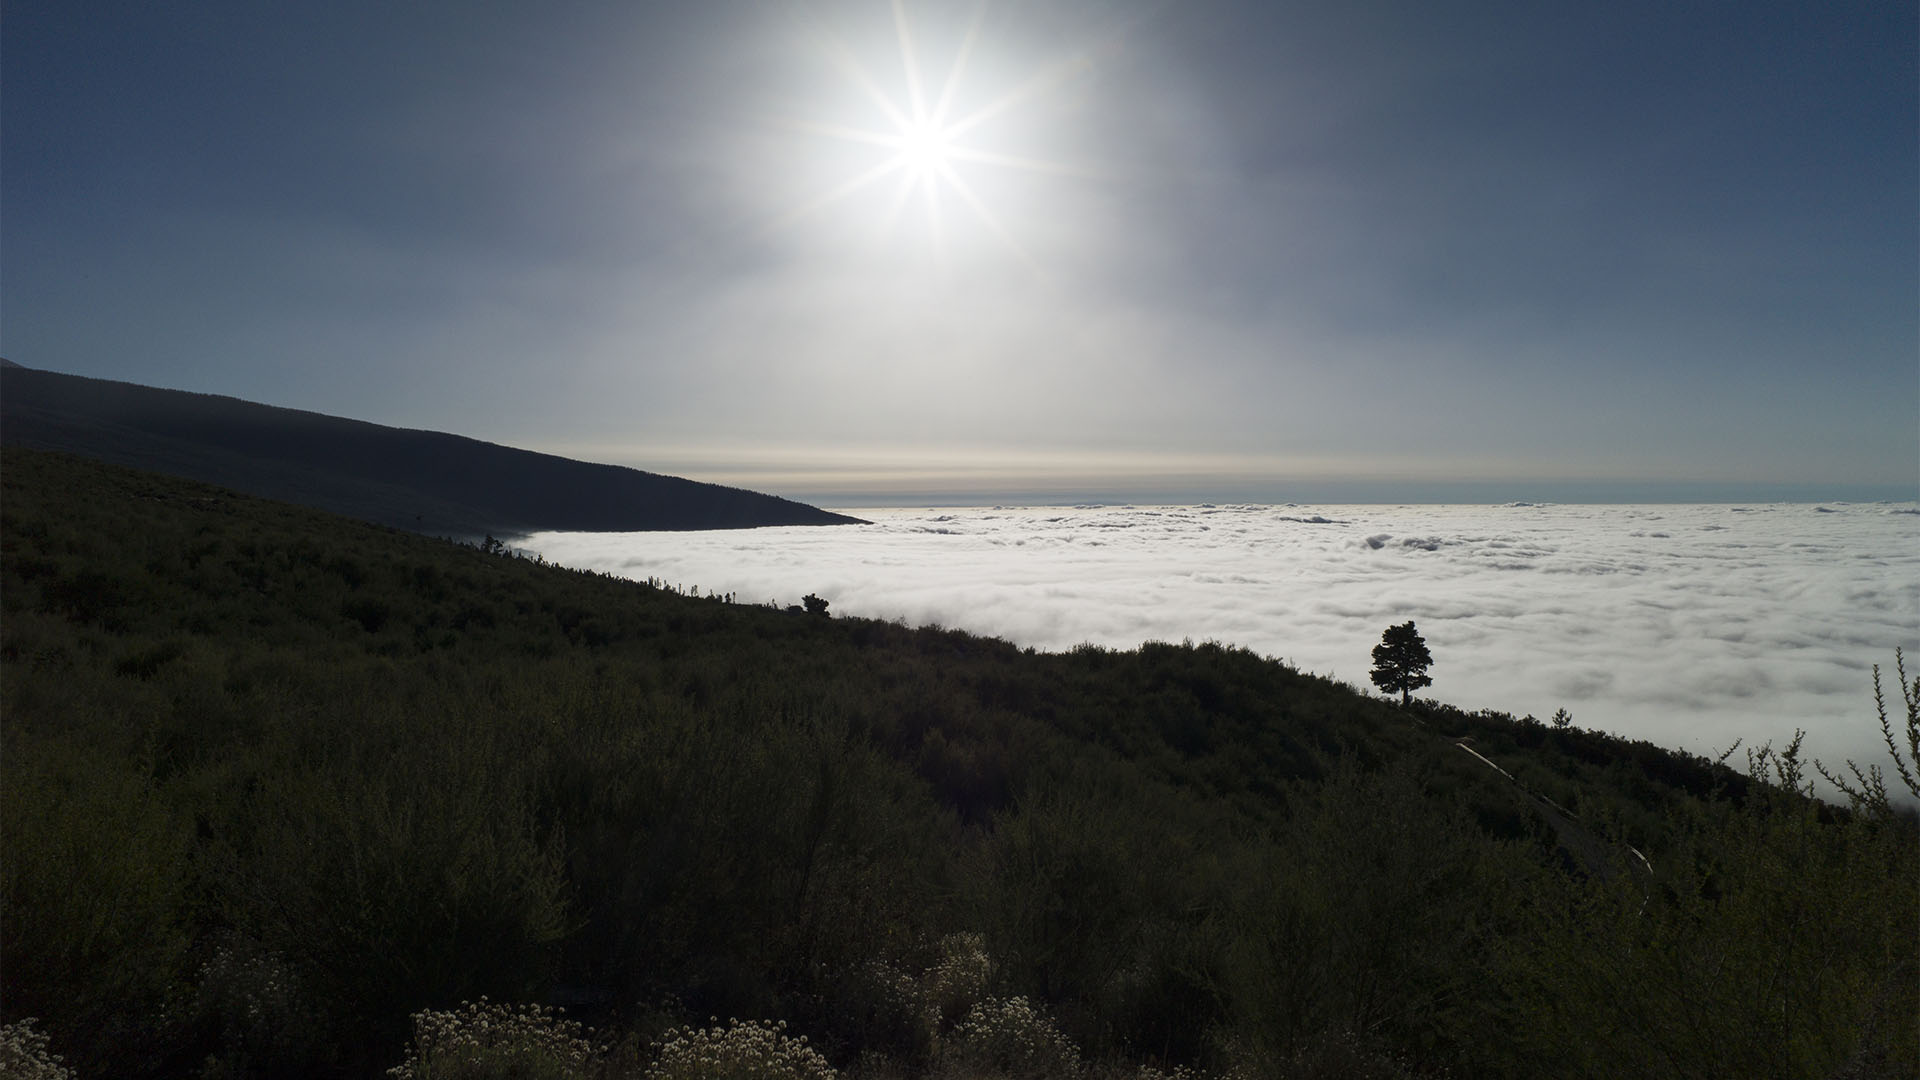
point(741, 1050)
point(486, 1041)
point(24, 1054)
point(1012, 1037)
point(1180, 1072)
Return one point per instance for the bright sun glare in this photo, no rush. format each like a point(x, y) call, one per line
point(926, 142)
point(923, 149)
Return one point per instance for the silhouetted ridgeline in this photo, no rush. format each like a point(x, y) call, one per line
point(271, 781)
point(420, 480)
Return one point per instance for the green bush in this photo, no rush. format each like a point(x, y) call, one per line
point(957, 981)
point(395, 875)
point(93, 902)
point(1372, 913)
point(255, 1009)
point(1763, 946)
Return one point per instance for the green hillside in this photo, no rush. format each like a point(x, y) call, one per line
point(276, 781)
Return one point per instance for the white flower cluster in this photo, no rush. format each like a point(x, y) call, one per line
point(24, 1054)
point(1011, 1036)
point(480, 1039)
point(742, 1050)
point(1180, 1072)
point(897, 983)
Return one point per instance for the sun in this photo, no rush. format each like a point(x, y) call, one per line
point(924, 149)
point(925, 142)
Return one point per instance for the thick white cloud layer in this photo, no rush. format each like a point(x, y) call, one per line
point(1689, 626)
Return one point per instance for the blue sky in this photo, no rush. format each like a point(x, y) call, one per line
point(1207, 250)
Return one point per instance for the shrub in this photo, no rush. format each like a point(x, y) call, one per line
point(742, 1050)
point(484, 1041)
point(1012, 1037)
point(958, 981)
point(1868, 792)
point(258, 1010)
point(404, 876)
point(1343, 1056)
point(1374, 914)
point(92, 899)
point(876, 1012)
point(1775, 940)
point(24, 1055)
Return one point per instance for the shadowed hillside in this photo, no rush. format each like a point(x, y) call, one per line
point(273, 782)
point(419, 480)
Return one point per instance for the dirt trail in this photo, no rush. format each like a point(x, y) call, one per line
point(1592, 853)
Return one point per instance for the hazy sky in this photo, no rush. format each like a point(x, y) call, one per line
point(1197, 250)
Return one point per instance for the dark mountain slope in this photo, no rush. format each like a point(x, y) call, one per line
point(420, 480)
point(271, 781)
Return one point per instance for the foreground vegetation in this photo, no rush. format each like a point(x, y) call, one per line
point(287, 795)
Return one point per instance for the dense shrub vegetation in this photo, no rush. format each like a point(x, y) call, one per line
point(286, 795)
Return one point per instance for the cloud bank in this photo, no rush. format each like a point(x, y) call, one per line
point(1689, 626)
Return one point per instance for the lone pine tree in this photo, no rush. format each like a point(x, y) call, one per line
point(1401, 660)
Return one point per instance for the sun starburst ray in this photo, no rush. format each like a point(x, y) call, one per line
point(965, 191)
point(896, 206)
point(1033, 87)
point(1024, 164)
point(890, 139)
point(915, 95)
point(853, 72)
point(959, 68)
point(863, 180)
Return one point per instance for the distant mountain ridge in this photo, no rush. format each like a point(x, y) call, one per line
point(424, 481)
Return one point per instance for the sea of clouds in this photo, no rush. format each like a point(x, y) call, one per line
point(1686, 625)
